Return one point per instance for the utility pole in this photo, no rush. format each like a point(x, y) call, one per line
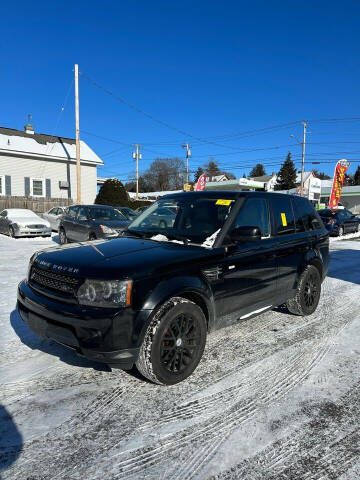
point(188, 155)
point(77, 126)
point(303, 157)
point(137, 156)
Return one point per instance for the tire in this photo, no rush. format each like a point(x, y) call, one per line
point(341, 231)
point(164, 356)
point(357, 228)
point(162, 224)
point(11, 232)
point(308, 293)
point(92, 236)
point(63, 237)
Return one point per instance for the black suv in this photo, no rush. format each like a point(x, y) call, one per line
point(150, 297)
point(89, 222)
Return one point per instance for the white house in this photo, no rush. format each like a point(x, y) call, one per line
point(312, 185)
point(38, 165)
point(269, 181)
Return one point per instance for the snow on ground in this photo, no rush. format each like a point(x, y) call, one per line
point(275, 397)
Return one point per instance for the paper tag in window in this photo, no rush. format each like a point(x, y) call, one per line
point(223, 202)
point(283, 219)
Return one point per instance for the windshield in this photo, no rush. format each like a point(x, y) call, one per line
point(104, 213)
point(19, 213)
point(193, 219)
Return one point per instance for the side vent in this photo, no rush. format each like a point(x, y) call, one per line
point(212, 274)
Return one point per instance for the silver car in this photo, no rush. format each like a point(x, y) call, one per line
point(53, 216)
point(20, 222)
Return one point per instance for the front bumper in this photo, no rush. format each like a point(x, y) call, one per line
point(98, 334)
point(31, 232)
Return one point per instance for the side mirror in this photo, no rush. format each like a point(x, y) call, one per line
point(246, 234)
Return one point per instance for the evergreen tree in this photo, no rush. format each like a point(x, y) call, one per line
point(112, 192)
point(198, 174)
point(257, 171)
point(356, 180)
point(212, 169)
point(287, 175)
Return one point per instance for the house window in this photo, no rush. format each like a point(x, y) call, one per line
point(37, 187)
point(2, 184)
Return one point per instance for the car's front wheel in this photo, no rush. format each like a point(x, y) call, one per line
point(11, 231)
point(174, 342)
point(62, 236)
point(308, 293)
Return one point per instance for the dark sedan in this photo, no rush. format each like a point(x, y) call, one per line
point(339, 222)
point(127, 212)
point(88, 222)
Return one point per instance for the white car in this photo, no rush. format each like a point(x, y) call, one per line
point(20, 222)
point(53, 216)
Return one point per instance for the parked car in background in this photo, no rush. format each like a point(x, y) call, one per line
point(127, 212)
point(151, 297)
point(53, 217)
point(141, 209)
point(340, 221)
point(88, 222)
point(21, 222)
point(163, 217)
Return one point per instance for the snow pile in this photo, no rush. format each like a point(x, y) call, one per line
point(209, 242)
point(163, 238)
point(345, 237)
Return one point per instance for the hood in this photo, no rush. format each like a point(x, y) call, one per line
point(120, 257)
point(30, 221)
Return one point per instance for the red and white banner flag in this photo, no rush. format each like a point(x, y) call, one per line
point(339, 177)
point(200, 186)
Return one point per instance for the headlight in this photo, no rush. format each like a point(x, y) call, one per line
point(109, 293)
point(106, 229)
point(30, 265)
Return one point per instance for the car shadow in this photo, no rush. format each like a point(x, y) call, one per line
point(33, 341)
point(10, 440)
point(345, 265)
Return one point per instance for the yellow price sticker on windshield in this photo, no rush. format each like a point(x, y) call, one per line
point(223, 202)
point(283, 219)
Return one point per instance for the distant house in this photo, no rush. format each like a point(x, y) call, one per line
point(269, 181)
point(44, 166)
point(312, 185)
point(217, 178)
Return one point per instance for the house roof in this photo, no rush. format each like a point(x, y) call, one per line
point(306, 176)
point(40, 144)
point(263, 178)
point(216, 178)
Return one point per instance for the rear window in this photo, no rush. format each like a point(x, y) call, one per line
point(254, 213)
point(283, 216)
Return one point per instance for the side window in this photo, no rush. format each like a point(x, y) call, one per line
point(53, 211)
point(72, 211)
point(309, 216)
point(82, 214)
point(299, 221)
point(254, 213)
point(283, 215)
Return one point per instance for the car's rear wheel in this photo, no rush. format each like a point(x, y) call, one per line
point(341, 231)
point(308, 293)
point(174, 342)
point(11, 231)
point(62, 236)
point(92, 236)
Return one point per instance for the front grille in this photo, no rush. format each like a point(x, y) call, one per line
point(36, 226)
point(54, 281)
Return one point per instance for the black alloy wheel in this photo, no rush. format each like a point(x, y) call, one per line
point(174, 342)
point(308, 293)
point(179, 343)
point(92, 237)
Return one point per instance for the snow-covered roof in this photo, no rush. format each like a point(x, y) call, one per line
point(38, 144)
point(153, 194)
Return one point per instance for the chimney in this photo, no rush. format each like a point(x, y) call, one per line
point(28, 127)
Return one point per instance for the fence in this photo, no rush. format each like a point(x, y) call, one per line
point(37, 205)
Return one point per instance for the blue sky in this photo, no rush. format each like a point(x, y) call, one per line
point(213, 69)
